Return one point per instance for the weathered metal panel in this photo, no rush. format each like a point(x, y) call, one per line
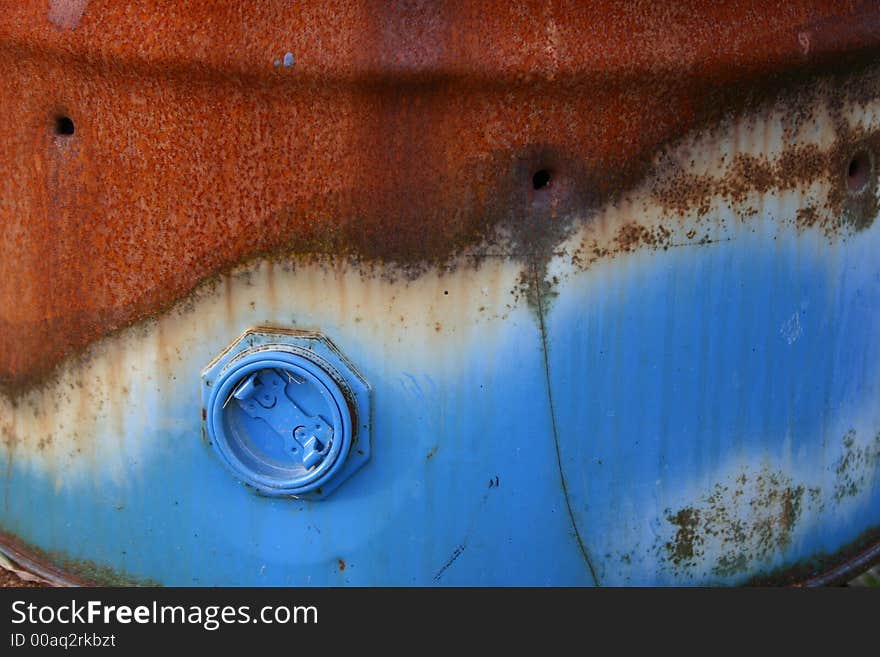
point(659, 368)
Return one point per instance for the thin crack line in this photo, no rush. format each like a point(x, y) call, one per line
point(577, 533)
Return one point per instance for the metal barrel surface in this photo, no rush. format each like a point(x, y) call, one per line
point(367, 292)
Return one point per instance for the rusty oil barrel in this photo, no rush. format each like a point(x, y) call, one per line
point(387, 293)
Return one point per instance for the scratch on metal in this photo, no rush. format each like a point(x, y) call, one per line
point(455, 555)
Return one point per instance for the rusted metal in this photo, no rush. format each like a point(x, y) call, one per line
point(41, 565)
point(848, 563)
point(401, 134)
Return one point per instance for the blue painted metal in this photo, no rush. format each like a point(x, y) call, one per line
point(676, 380)
point(717, 406)
point(264, 396)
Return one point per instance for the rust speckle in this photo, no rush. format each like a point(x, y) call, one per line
point(856, 466)
point(682, 549)
point(751, 519)
point(628, 238)
point(341, 565)
point(795, 168)
point(806, 217)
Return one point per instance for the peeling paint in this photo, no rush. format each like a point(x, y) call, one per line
point(738, 524)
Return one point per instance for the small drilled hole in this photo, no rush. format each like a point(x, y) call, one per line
point(541, 179)
point(858, 172)
point(64, 125)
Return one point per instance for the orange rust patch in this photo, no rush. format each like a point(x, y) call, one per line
point(398, 134)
